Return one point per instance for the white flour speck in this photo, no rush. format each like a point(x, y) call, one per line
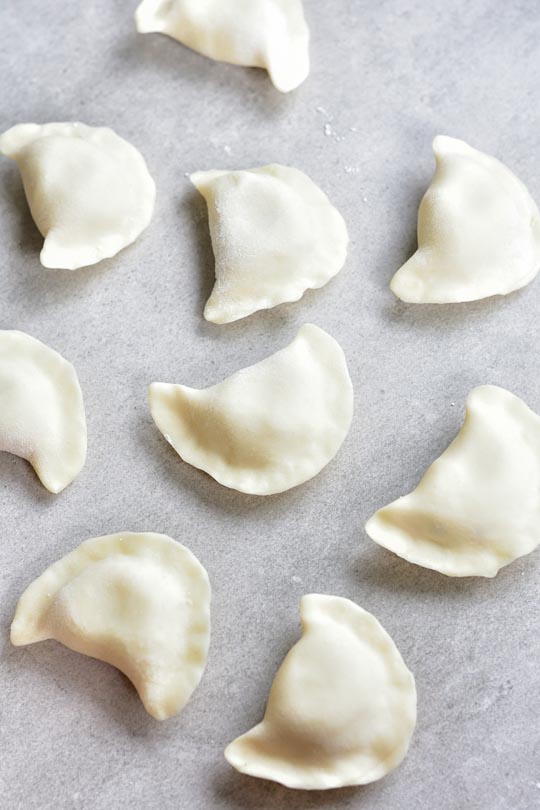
point(324, 112)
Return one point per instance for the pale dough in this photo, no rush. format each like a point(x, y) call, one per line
point(342, 708)
point(269, 34)
point(477, 508)
point(89, 190)
point(140, 602)
point(269, 427)
point(275, 235)
point(478, 231)
point(42, 415)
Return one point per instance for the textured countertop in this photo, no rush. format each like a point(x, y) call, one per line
point(386, 77)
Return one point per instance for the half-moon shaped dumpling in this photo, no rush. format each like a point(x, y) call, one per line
point(269, 427)
point(478, 231)
point(140, 602)
point(41, 409)
point(342, 708)
point(477, 508)
point(269, 34)
point(275, 235)
point(89, 190)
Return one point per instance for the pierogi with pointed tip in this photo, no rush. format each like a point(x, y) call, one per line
point(42, 416)
point(270, 34)
point(342, 707)
point(275, 234)
point(270, 426)
point(478, 231)
point(477, 508)
point(138, 601)
point(89, 191)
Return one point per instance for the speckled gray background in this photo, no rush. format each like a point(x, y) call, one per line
point(386, 77)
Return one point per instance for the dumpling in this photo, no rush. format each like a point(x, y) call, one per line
point(342, 708)
point(477, 508)
point(275, 235)
point(269, 34)
point(42, 415)
point(478, 231)
point(270, 426)
point(89, 190)
point(140, 602)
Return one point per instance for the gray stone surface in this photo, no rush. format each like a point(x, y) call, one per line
point(386, 77)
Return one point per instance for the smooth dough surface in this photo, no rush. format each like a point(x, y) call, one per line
point(477, 508)
point(42, 415)
point(89, 190)
point(270, 34)
point(478, 231)
point(275, 235)
point(270, 426)
point(140, 602)
point(342, 708)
